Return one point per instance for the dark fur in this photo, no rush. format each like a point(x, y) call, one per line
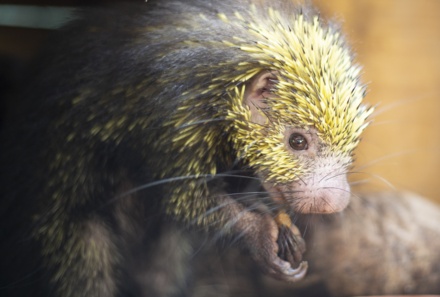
point(114, 68)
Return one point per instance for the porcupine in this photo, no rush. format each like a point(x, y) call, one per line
point(384, 243)
point(147, 115)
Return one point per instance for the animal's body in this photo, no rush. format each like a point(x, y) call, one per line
point(397, 251)
point(146, 115)
point(384, 243)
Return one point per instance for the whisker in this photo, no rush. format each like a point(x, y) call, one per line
point(297, 213)
point(14, 284)
point(201, 122)
point(227, 218)
point(323, 199)
point(238, 216)
point(378, 177)
point(300, 178)
point(359, 197)
point(248, 194)
point(307, 224)
point(178, 178)
point(325, 177)
point(229, 202)
point(402, 102)
point(386, 157)
point(263, 213)
point(239, 158)
point(335, 188)
point(374, 175)
point(345, 231)
point(359, 182)
point(199, 249)
point(388, 122)
point(344, 173)
point(231, 222)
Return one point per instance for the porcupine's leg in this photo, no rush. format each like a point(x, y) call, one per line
point(259, 232)
point(154, 252)
point(291, 244)
point(93, 255)
point(80, 256)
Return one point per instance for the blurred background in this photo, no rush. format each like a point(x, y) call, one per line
point(397, 42)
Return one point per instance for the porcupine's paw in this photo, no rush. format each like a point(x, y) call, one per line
point(290, 243)
point(264, 249)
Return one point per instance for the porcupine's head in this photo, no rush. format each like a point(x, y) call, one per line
point(293, 107)
point(302, 115)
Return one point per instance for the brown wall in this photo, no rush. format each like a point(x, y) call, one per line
point(398, 42)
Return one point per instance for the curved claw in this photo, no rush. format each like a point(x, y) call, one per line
point(290, 246)
point(284, 271)
point(298, 273)
point(275, 248)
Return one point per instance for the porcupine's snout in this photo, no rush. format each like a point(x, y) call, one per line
point(324, 191)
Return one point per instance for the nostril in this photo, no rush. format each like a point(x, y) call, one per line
point(324, 195)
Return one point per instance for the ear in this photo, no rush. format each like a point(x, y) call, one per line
point(257, 89)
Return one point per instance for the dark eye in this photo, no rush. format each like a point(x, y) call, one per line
point(298, 142)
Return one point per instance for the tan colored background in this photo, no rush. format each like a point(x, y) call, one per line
point(398, 42)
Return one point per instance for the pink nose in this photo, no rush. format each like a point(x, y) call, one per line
point(318, 194)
